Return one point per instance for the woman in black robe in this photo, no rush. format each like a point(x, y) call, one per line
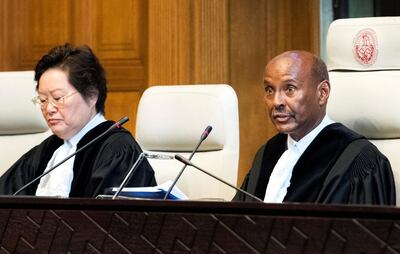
point(72, 90)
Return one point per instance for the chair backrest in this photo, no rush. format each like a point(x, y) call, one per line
point(171, 119)
point(21, 123)
point(364, 70)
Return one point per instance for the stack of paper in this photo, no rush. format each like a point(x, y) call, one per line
point(155, 192)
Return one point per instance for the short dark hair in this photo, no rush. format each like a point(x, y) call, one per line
point(319, 69)
point(83, 68)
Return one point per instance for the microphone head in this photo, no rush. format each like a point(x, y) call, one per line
point(183, 159)
point(206, 132)
point(121, 121)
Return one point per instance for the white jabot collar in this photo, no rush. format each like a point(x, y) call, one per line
point(58, 182)
point(281, 175)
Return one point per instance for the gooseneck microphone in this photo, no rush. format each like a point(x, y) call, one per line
point(136, 165)
point(189, 163)
point(203, 136)
point(130, 173)
point(118, 124)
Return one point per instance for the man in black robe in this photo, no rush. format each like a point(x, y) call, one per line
point(297, 89)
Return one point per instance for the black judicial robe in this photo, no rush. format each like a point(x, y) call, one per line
point(103, 164)
point(367, 180)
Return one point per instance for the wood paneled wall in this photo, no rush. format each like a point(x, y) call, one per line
point(160, 42)
point(116, 30)
point(188, 41)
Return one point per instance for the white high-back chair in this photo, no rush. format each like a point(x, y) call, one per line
point(364, 69)
point(21, 123)
point(171, 119)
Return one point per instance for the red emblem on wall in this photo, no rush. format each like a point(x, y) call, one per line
point(365, 47)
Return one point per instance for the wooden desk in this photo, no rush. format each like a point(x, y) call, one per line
point(41, 225)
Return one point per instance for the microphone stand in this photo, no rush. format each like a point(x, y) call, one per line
point(188, 162)
point(115, 125)
point(130, 173)
point(202, 138)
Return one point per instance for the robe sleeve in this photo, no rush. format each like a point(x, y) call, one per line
point(250, 181)
point(112, 164)
point(26, 168)
point(369, 180)
point(372, 180)
point(16, 176)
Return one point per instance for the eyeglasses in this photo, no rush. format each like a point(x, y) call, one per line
point(56, 102)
